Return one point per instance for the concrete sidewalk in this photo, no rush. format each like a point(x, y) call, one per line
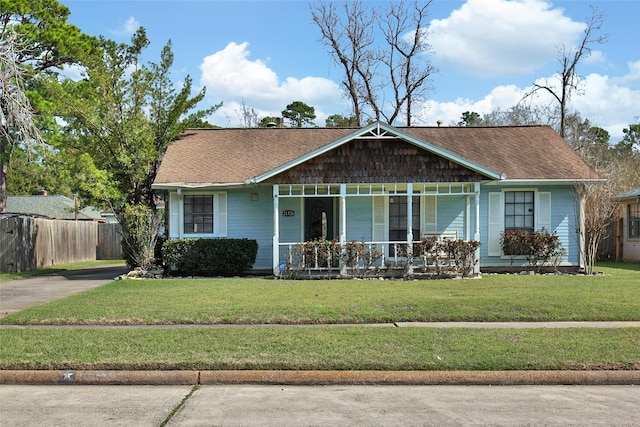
point(256, 405)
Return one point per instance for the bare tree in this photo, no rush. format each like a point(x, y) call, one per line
point(351, 47)
point(248, 116)
point(16, 115)
point(409, 71)
point(568, 79)
point(399, 64)
point(597, 209)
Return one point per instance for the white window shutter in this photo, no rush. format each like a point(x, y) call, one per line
point(496, 223)
point(544, 211)
point(220, 215)
point(429, 214)
point(174, 215)
point(378, 231)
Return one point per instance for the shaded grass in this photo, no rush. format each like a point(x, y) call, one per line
point(258, 301)
point(341, 348)
point(4, 276)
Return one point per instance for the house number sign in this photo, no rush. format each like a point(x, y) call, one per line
point(288, 212)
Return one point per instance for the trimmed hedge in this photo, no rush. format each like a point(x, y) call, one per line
point(210, 256)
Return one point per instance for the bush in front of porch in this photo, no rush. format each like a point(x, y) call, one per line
point(429, 257)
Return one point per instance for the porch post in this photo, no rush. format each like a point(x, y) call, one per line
point(476, 232)
point(276, 230)
point(410, 228)
point(582, 234)
point(343, 223)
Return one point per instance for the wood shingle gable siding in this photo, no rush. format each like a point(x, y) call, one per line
point(204, 157)
point(376, 161)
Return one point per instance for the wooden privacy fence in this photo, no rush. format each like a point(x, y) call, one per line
point(28, 243)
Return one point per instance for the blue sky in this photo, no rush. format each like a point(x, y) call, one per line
point(488, 52)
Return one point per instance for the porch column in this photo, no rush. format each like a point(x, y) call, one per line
point(410, 228)
point(343, 214)
point(409, 216)
point(276, 230)
point(582, 242)
point(476, 232)
point(343, 223)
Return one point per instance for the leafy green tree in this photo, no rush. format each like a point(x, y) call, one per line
point(339, 121)
point(34, 38)
point(198, 123)
point(470, 118)
point(630, 143)
point(120, 120)
point(299, 114)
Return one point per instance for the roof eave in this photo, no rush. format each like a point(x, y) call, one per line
point(545, 181)
point(195, 185)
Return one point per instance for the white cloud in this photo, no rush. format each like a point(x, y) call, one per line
point(229, 75)
point(450, 113)
point(608, 102)
point(127, 28)
point(498, 37)
point(596, 57)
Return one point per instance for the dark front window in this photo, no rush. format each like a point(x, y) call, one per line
point(519, 210)
point(198, 214)
point(633, 213)
point(398, 219)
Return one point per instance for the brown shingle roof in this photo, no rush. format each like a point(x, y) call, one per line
point(233, 156)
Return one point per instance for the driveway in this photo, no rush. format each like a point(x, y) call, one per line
point(16, 295)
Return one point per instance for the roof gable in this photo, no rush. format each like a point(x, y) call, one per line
point(373, 160)
point(387, 135)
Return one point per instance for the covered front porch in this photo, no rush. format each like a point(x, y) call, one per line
point(390, 220)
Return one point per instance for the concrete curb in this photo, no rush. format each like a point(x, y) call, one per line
point(89, 377)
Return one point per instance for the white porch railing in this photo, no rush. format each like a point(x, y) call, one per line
point(381, 254)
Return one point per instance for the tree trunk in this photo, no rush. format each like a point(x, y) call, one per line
point(3, 177)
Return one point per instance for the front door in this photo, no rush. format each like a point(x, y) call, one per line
point(318, 223)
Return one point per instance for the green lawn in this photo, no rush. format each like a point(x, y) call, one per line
point(251, 301)
point(321, 348)
point(257, 301)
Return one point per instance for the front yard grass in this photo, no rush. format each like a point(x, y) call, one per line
point(501, 298)
point(252, 301)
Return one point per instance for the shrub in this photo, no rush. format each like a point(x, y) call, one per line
point(140, 226)
point(463, 254)
point(210, 256)
point(540, 248)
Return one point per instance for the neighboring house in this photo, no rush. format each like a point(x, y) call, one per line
point(286, 185)
point(54, 207)
point(630, 230)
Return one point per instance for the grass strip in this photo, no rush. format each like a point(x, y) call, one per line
point(347, 348)
point(534, 298)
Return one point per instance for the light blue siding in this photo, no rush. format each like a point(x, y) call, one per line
point(252, 219)
point(359, 219)
point(452, 215)
point(564, 221)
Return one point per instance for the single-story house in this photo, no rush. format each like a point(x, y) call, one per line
point(630, 232)
point(51, 206)
point(378, 184)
